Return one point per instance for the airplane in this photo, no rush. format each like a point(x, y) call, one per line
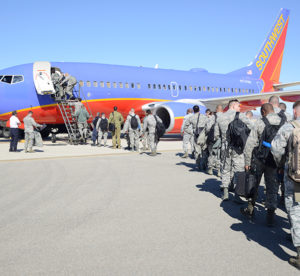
point(168, 93)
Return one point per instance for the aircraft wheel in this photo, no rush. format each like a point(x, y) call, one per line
point(6, 132)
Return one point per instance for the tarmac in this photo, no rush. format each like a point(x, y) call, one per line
point(80, 210)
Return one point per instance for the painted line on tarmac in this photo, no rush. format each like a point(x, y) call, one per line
point(82, 156)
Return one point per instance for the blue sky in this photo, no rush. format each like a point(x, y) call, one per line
point(220, 36)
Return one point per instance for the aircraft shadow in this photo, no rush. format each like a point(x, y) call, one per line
point(272, 238)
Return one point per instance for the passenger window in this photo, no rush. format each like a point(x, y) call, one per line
point(179, 87)
point(138, 85)
point(195, 88)
point(191, 88)
point(199, 88)
point(212, 89)
point(232, 90)
point(81, 83)
point(207, 88)
point(149, 86)
point(239, 90)
point(159, 86)
point(6, 79)
point(204, 88)
point(169, 87)
point(164, 87)
point(88, 84)
point(132, 85)
point(102, 84)
point(236, 90)
point(228, 89)
point(1, 77)
point(185, 87)
point(217, 89)
point(95, 84)
point(114, 85)
point(154, 86)
point(126, 85)
point(121, 84)
point(108, 84)
point(174, 87)
point(18, 79)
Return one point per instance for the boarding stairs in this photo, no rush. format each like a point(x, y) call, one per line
point(67, 109)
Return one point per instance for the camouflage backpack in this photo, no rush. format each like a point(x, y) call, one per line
point(294, 159)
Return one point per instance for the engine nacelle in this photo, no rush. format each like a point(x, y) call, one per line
point(171, 113)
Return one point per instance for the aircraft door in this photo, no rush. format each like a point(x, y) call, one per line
point(42, 78)
point(174, 89)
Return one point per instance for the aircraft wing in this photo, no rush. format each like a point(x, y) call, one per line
point(284, 85)
point(244, 99)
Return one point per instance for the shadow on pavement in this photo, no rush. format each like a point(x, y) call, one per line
point(272, 238)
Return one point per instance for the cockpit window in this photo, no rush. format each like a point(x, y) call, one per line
point(18, 79)
point(7, 79)
point(1, 77)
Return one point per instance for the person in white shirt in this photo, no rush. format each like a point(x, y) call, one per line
point(14, 123)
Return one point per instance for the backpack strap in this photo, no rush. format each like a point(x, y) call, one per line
point(266, 121)
point(295, 124)
point(237, 114)
point(198, 119)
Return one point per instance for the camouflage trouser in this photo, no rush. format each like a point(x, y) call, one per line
point(292, 208)
point(188, 139)
point(271, 183)
point(213, 158)
point(152, 142)
point(102, 134)
point(134, 136)
point(82, 129)
point(201, 155)
point(145, 140)
point(29, 137)
point(233, 163)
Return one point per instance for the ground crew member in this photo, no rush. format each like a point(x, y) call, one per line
point(102, 127)
point(29, 125)
point(82, 116)
point(95, 130)
point(282, 150)
point(274, 100)
point(231, 161)
point(214, 146)
point(133, 129)
point(187, 133)
point(56, 77)
point(260, 167)
point(150, 126)
point(117, 120)
point(68, 83)
point(201, 124)
point(14, 124)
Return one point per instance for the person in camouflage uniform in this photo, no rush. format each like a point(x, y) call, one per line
point(134, 134)
point(231, 161)
point(280, 149)
point(200, 144)
point(150, 126)
point(187, 134)
point(259, 167)
point(214, 147)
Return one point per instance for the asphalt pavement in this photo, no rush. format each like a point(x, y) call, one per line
point(76, 210)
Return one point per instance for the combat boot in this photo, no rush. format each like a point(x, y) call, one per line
point(153, 153)
point(31, 150)
point(270, 217)
point(225, 196)
point(295, 261)
point(248, 211)
point(186, 155)
point(209, 171)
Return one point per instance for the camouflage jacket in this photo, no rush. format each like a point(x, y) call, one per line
point(223, 121)
point(204, 122)
point(281, 140)
point(255, 135)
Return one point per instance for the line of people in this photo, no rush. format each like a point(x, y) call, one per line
point(243, 150)
point(148, 133)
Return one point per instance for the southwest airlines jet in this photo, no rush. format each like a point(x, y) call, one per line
point(167, 92)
